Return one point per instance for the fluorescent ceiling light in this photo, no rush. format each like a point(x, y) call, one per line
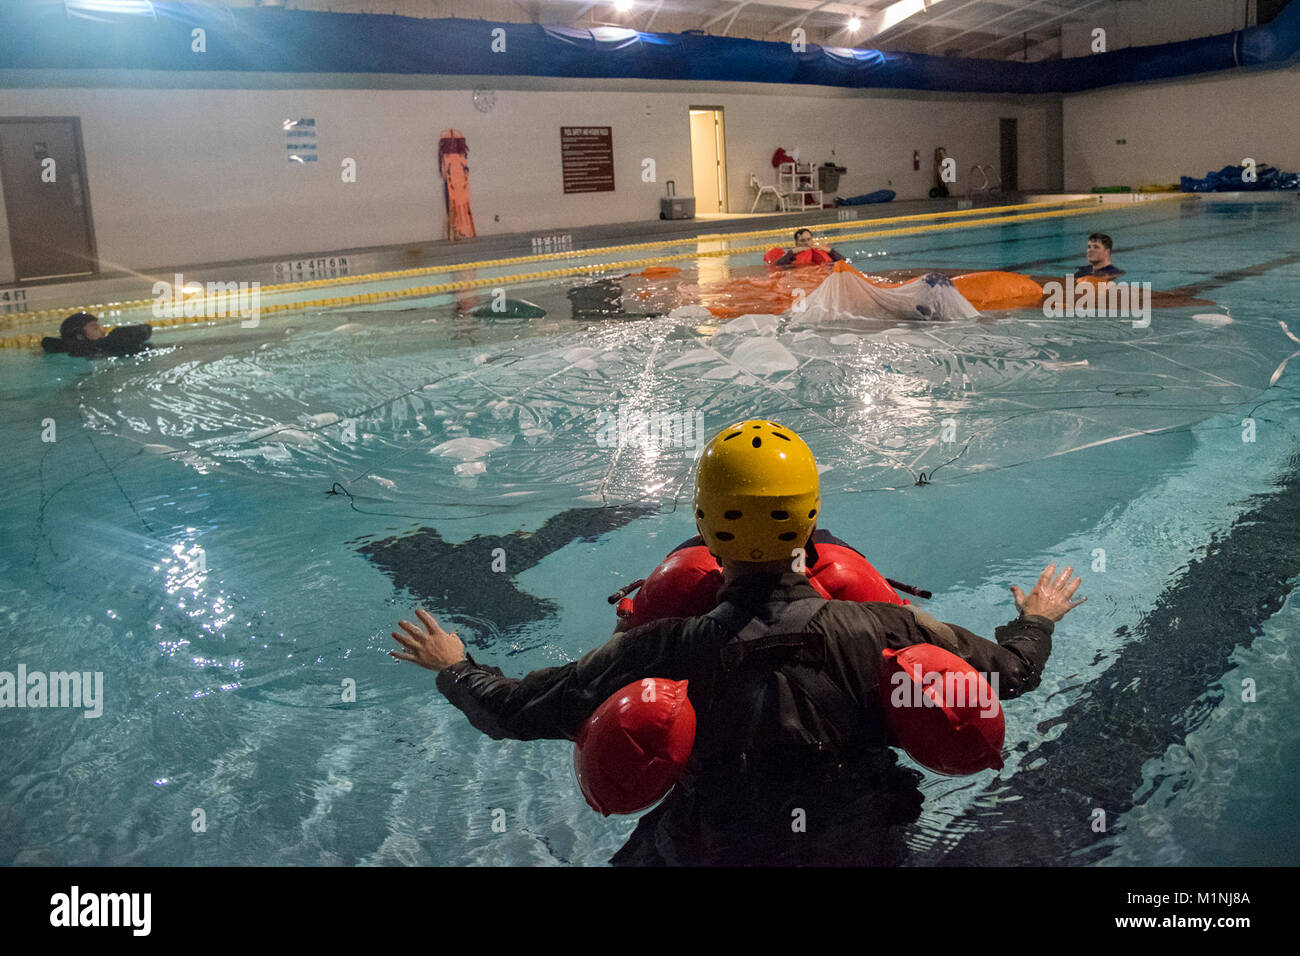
point(109, 9)
point(143, 7)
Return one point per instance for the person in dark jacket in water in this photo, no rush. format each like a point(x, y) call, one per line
point(768, 750)
point(81, 335)
point(1099, 249)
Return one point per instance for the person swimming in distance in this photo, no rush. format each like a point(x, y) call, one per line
point(1099, 264)
point(804, 247)
point(81, 335)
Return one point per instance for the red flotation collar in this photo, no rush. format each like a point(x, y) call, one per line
point(812, 257)
point(687, 582)
point(805, 257)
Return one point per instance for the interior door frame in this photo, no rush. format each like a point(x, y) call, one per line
point(79, 145)
point(720, 153)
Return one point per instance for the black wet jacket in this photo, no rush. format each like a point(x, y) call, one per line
point(1088, 270)
point(848, 808)
point(122, 340)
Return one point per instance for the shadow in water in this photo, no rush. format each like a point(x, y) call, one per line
point(458, 578)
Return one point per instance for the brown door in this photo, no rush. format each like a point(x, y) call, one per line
point(1010, 171)
point(46, 203)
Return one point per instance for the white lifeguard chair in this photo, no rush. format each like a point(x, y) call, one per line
point(765, 190)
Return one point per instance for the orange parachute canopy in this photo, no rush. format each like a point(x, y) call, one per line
point(990, 291)
point(777, 292)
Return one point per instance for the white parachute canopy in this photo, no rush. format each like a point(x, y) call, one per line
point(846, 294)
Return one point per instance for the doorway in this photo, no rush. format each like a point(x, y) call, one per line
point(709, 159)
point(47, 204)
point(1010, 170)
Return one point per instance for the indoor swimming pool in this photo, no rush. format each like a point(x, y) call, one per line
point(229, 526)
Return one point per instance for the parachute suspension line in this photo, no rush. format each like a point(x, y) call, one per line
point(470, 375)
point(121, 490)
point(1281, 368)
point(338, 489)
point(405, 451)
point(872, 446)
point(618, 448)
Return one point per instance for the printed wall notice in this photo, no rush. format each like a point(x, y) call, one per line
point(300, 137)
point(587, 153)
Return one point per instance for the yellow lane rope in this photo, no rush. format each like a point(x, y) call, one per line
point(516, 260)
point(463, 285)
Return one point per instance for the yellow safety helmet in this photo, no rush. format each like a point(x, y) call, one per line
point(756, 492)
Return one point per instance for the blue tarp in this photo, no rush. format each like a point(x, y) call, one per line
point(1232, 179)
point(39, 34)
point(880, 195)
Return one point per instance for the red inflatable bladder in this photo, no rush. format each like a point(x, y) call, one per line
point(845, 575)
point(633, 749)
point(686, 584)
point(941, 710)
point(812, 257)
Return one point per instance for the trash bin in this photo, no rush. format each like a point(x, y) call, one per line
point(828, 177)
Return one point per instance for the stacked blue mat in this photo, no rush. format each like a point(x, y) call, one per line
point(1230, 179)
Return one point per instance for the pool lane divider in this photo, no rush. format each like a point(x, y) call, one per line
point(548, 257)
point(33, 339)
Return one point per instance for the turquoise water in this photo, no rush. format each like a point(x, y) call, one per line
point(178, 536)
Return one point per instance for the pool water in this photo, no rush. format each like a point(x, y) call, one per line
point(229, 527)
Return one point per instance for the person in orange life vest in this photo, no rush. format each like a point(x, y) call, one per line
point(940, 190)
point(794, 728)
point(805, 253)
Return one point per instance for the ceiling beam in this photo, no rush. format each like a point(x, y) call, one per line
point(1042, 23)
point(946, 13)
point(649, 23)
point(803, 16)
point(987, 23)
point(723, 15)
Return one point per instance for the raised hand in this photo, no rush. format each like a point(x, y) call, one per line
point(433, 648)
point(1049, 598)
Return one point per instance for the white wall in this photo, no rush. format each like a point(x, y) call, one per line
point(1181, 128)
point(186, 176)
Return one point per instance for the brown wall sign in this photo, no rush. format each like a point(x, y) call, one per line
point(587, 154)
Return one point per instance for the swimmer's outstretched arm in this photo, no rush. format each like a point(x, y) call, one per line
point(1020, 651)
point(553, 702)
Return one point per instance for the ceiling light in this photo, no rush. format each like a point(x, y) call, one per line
point(854, 24)
point(110, 6)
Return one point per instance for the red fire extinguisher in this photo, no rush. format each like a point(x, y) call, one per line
point(916, 159)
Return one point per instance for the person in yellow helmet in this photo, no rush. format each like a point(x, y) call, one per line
point(792, 761)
